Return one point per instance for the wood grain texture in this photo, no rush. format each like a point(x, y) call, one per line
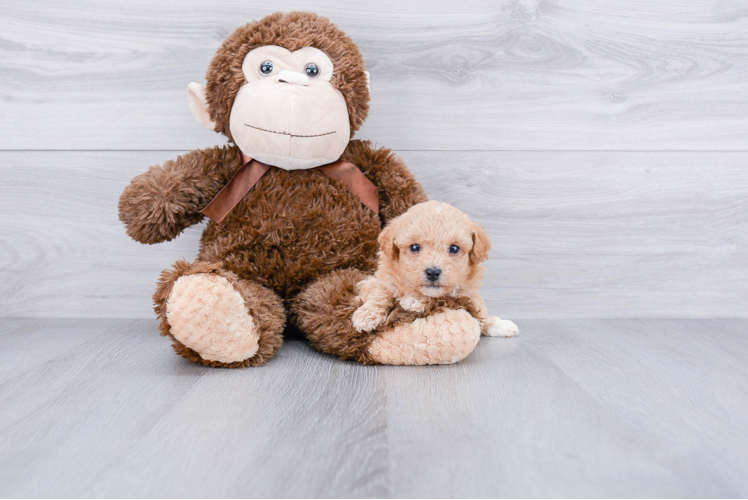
point(467, 75)
point(578, 409)
point(574, 408)
point(115, 413)
point(582, 234)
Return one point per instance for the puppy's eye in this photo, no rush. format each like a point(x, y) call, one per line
point(454, 249)
point(415, 248)
point(266, 67)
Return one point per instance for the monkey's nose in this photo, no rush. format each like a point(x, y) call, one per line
point(433, 273)
point(293, 77)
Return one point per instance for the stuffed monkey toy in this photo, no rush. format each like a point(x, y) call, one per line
point(296, 205)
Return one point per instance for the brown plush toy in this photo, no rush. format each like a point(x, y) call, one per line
point(296, 204)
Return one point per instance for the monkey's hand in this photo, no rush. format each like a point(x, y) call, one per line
point(153, 207)
point(161, 203)
point(368, 317)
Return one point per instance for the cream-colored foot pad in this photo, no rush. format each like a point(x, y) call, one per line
point(208, 315)
point(439, 339)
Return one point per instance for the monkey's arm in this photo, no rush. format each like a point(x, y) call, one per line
point(162, 202)
point(397, 186)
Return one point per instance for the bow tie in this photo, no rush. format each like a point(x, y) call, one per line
point(252, 170)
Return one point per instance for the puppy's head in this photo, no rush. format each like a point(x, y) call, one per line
point(433, 249)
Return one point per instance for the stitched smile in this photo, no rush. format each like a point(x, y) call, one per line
point(292, 135)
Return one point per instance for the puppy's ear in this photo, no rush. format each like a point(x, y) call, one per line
point(387, 240)
point(481, 244)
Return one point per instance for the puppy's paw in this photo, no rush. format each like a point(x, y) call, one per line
point(497, 327)
point(368, 318)
point(410, 303)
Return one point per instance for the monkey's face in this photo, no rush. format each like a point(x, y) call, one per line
point(289, 90)
point(288, 114)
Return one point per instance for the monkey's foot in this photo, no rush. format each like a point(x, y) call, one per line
point(208, 315)
point(497, 327)
point(440, 339)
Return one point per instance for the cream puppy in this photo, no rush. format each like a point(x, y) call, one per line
point(433, 250)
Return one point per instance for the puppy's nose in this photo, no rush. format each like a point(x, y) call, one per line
point(433, 273)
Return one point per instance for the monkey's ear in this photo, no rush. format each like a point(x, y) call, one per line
point(387, 241)
point(481, 244)
point(368, 81)
point(199, 106)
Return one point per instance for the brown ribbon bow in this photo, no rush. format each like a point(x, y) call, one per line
point(252, 170)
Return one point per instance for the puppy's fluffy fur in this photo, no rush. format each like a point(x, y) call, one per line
point(431, 251)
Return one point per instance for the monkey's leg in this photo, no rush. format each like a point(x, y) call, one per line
point(439, 339)
point(216, 318)
point(323, 312)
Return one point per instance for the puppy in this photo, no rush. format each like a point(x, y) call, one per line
point(433, 250)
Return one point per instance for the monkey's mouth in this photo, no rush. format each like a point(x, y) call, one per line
point(288, 133)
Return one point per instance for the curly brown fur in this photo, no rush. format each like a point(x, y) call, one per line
point(292, 31)
point(265, 307)
point(160, 203)
point(324, 310)
point(399, 315)
point(296, 226)
point(398, 188)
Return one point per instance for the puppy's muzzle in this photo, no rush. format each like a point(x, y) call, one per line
point(433, 274)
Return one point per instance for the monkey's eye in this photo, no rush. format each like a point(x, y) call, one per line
point(415, 248)
point(454, 249)
point(311, 70)
point(266, 67)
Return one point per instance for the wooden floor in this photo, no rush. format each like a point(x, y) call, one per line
point(571, 408)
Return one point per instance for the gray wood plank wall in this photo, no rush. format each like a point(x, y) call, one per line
point(603, 144)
